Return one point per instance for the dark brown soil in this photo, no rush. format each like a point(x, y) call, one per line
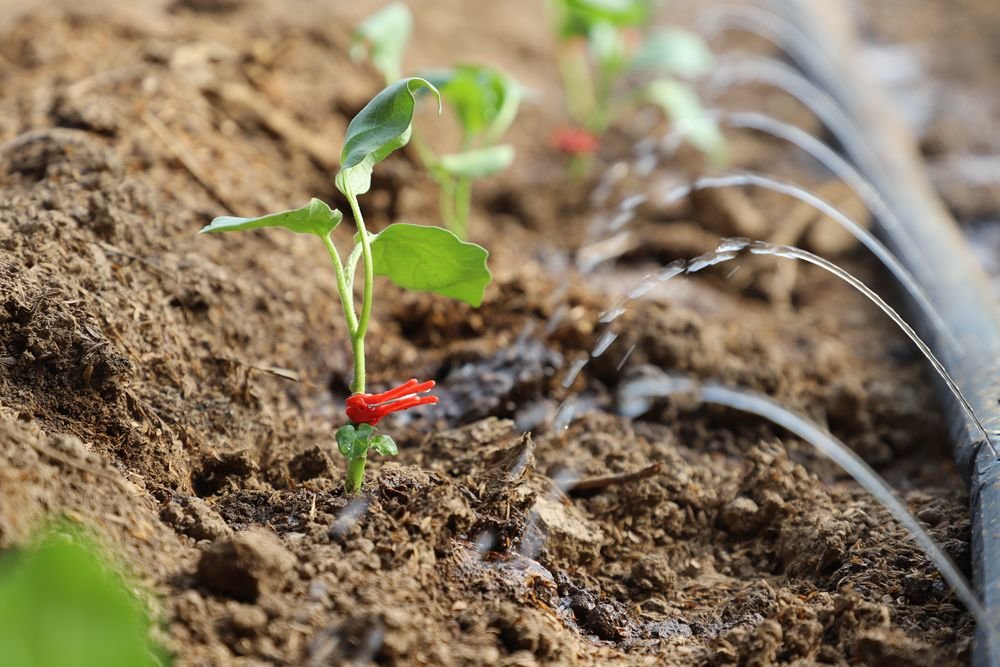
point(179, 392)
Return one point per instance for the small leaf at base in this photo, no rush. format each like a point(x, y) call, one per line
point(384, 445)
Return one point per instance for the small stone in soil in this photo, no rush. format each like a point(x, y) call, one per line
point(740, 516)
point(245, 565)
point(193, 517)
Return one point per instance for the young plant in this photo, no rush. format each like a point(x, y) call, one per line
point(384, 35)
point(485, 102)
point(413, 257)
point(601, 45)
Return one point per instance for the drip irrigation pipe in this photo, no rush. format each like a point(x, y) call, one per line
point(952, 278)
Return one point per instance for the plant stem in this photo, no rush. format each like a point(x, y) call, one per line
point(463, 205)
point(358, 339)
point(343, 287)
point(446, 202)
point(355, 475)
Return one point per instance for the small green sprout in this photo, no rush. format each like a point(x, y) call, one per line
point(414, 257)
point(485, 102)
point(617, 49)
point(384, 35)
point(62, 604)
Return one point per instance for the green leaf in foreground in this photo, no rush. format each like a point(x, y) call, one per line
point(478, 163)
point(60, 604)
point(313, 218)
point(383, 126)
point(680, 103)
point(431, 259)
point(385, 33)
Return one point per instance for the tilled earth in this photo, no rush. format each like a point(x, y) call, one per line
point(179, 393)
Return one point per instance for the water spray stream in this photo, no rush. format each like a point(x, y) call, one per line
point(634, 399)
point(837, 165)
point(901, 273)
point(743, 69)
point(788, 252)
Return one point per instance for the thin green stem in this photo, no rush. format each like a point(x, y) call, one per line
point(352, 266)
point(463, 206)
point(366, 302)
point(446, 201)
point(343, 287)
point(355, 475)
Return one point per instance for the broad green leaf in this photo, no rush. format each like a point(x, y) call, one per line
point(485, 100)
point(365, 432)
point(62, 604)
point(580, 16)
point(680, 103)
point(313, 218)
point(432, 259)
point(384, 445)
point(478, 163)
point(380, 128)
point(385, 33)
point(674, 51)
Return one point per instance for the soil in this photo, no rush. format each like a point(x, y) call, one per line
point(178, 393)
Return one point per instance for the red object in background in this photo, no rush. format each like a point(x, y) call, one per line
point(371, 408)
point(575, 141)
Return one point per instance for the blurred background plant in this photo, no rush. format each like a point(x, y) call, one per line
point(62, 604)
point(611, 60)
point(484, 101)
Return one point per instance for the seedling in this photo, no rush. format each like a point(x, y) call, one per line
point(485, 102)
point(414, 257)
point(601, 45)
point(384, 36)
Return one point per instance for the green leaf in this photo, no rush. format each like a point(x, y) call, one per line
point(346, 435)
point(431, 259)
point(674, 51)
point(680, 103)
point(380, 128)
point(485, 100)
point(62, 604)
point(385, 33)
point(365, 432)
point(313, 218)
point(478, 163)
point(385, 445)
point(578, 17)
point(608, 48)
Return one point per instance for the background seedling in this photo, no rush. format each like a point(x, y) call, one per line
point(605, 53)
point(485, 102)
point(413, 257)
point(384, 35)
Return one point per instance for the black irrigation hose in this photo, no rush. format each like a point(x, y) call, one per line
point(949, 274)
